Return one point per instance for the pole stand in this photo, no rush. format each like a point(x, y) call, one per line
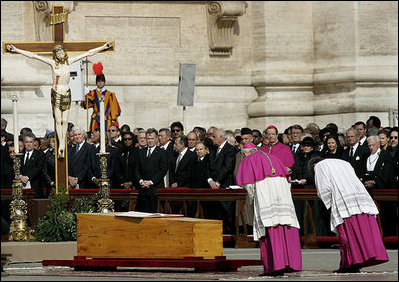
point(105, 204)
point(19, 231)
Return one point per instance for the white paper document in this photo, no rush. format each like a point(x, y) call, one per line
point(234, 187)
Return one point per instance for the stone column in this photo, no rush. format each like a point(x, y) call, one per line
point(355, 67)
point(283, 64)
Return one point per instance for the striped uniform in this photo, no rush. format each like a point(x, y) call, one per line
point(112, 108)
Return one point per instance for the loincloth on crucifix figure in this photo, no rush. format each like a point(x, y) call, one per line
point(60, 92)
point(112, 109)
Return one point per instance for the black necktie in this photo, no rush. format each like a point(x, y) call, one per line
point(351, 152)
point(177, 162)
point(149, 152)
point(27, 157)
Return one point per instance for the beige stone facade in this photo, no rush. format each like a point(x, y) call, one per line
point(258, 63)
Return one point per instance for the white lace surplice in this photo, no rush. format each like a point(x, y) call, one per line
point(340, 189)
point(273, 205)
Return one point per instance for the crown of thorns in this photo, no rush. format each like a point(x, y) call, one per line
point(57, 47)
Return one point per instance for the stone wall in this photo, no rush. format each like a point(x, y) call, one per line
point(291, 62)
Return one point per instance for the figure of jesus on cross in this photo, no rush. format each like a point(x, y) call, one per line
point(60, 92)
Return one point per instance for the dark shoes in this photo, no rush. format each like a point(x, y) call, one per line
point(274, 273)
point(352, 269)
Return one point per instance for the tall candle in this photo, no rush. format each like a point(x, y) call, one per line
point(102, 126)
point(15, 116)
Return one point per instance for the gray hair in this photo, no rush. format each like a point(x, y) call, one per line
point(231, 138)
point(313, 126)
point(30, 135)
point(354, 130)
point(306, 134)
point(222, 133)
point(4, 122)
point(142, 131)
point(76, 127)
point(152, 130)
point(374, 137)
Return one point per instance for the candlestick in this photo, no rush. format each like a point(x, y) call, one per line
point(15, 116)
point(105, 204)
point(102, 125)
point(19, 231)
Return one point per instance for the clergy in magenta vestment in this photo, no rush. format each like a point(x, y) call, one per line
point(281, 151)
point(275, 222)
point(353, 214)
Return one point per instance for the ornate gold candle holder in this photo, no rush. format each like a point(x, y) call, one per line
point(19, 231)
point(105, 204)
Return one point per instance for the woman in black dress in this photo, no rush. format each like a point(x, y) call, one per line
point(333, 148)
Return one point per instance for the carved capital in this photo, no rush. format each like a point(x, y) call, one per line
point(223, 24)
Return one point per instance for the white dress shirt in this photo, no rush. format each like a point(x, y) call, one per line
point(372, 160)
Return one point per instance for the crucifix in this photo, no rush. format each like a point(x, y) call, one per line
point(60, 92)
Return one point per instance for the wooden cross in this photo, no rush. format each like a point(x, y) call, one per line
point(58, 18)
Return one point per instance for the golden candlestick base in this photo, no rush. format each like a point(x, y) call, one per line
point(105, 204)
point(19, 231)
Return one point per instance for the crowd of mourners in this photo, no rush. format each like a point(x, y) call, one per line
point(150, 159)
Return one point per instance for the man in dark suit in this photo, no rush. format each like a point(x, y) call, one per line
point(166, 143)
point(355, 154)
point(141, 140)
point(361, 128)
point(200, 167)
point(114, 134)
point(221, 168)
point(379, 171)
point(378, 168)
point(78, 160)
point(221, 161)
point(150, 170)
point(49, 176)
point(33, 166)
point(94, 171)
point(177, 129)
point(180, 172)
point(296, 131)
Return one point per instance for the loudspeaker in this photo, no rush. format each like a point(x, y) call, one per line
point(76, 82)
point(185, 92)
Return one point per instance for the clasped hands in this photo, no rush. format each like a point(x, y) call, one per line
point(214, 185)
point(369, 183)
point(146, 183)
point(24, 179)
point(73, 181)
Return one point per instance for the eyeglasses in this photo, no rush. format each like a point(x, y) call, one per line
point(393, 137)
point(176, 130)
point(127, 139)
point(111, 130)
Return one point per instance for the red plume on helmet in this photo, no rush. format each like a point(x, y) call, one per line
point(98, 68)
